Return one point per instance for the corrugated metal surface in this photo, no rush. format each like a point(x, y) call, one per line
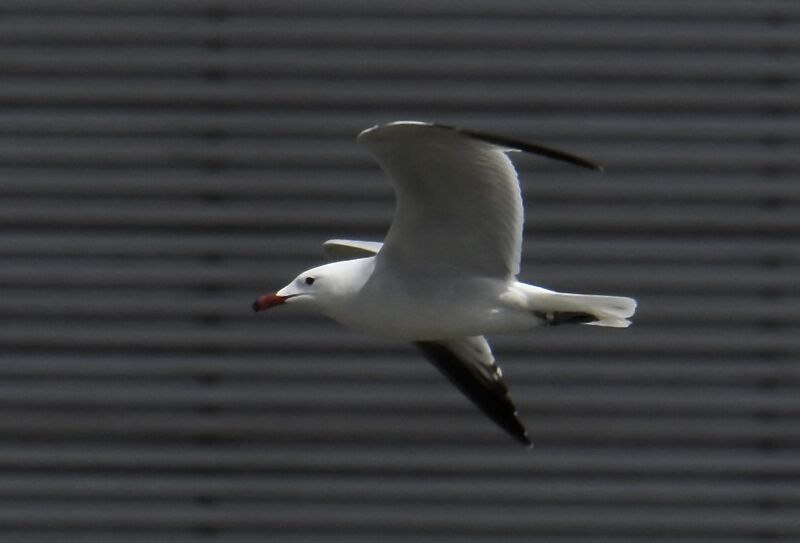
point(161, 163)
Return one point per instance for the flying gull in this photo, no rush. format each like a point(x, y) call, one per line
point(446, 273)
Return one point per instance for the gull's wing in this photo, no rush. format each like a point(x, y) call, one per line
point(459, 207)
point(348, 249)
point(468, 363)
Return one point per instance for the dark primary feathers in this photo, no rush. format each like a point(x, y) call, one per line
point(527, 147)
point(482, 384)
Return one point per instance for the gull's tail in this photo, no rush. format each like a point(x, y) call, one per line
point(562, 308)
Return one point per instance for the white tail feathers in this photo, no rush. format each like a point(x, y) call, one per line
point(613, 311)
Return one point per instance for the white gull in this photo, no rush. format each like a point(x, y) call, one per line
point(446, 273)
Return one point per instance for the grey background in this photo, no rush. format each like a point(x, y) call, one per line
point(162, 163)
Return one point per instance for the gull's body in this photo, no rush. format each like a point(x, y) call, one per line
point(417, 306)
point(446, 273)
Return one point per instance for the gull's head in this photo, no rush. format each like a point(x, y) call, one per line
point(318, 288)
point(306, 289)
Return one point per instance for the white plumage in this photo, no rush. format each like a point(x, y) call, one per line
point(446, 273)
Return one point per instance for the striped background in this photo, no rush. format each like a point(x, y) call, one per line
point(164, 162)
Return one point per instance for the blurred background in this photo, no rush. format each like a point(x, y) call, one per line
point(163, 163)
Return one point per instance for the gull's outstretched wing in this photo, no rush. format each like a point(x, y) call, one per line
point(348, 249)
point(459, 207)
point(468, 363)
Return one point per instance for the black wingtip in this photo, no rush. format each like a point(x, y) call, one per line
point(517, 430)
point(490, 396)
point(521, 437)
point(528, 147)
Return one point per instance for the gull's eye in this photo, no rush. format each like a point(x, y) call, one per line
point(309, 280)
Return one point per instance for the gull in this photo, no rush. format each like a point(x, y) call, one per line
point(445, 275)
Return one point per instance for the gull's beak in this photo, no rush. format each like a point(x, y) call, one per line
point(268, 300)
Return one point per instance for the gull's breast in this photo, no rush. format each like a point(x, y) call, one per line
point(419, 308)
